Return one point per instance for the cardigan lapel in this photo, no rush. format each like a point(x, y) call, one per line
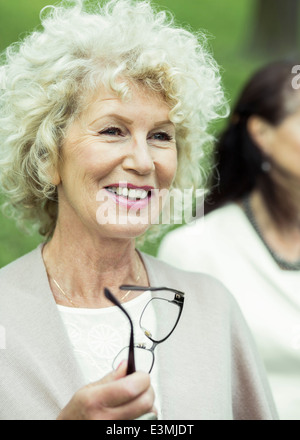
point(172, 382)
point(58, 368)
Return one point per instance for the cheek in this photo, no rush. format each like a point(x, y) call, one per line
point(288, 146)
point(91, 162)
point(295, 140)
point(166, 168)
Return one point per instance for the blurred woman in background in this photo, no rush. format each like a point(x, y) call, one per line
point(251, 239)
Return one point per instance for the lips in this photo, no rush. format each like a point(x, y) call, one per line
point(130, 192)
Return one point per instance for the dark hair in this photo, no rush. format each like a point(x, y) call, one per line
point(238, 160)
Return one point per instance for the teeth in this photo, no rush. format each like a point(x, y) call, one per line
point(130, 193)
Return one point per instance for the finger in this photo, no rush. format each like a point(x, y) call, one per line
point(143, 404)
point(112, 376)
point(123, 390)
point(116, 374)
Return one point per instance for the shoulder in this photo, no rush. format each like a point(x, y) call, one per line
point(208, 234)
point(22, 270)
point(225, 214)
point(215, 221)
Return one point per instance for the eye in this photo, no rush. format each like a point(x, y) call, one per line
point(162, 136)
point(112, 131)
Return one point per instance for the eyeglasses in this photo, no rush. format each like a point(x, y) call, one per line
point(165, 307)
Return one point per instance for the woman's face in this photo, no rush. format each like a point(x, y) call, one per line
point(115, 159)
point(284, 146)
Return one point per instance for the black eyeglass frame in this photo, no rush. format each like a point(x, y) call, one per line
point(178, 299)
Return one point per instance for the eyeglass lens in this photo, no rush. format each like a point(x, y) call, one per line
point(159, 318)
point(157, 322)
point(144, 358)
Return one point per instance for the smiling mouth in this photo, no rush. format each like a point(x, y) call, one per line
point(133, 194)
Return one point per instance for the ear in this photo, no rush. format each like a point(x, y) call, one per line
point(261, 133)
point(54, 175)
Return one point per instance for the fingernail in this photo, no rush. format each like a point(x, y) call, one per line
point(123, 362)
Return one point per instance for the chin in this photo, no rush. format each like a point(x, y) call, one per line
point(126, 223)
point(126, 232)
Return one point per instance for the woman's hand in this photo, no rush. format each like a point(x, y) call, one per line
point(115, 397)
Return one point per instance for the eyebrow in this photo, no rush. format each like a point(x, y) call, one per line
point(130, 121)
point(112, 115)
point(166, 122)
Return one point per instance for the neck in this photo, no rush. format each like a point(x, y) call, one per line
point(285, 190)
point(283, 240)
point(83, 267)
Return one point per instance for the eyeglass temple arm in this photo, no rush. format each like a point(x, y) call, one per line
point(131, 363)
point(152, 289)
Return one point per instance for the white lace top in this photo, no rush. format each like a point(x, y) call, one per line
point(98, 335)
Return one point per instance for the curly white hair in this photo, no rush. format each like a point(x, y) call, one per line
point(45, 82)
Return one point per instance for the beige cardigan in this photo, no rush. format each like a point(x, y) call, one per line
point(208, 367)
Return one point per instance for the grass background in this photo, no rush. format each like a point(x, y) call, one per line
point(228, 25)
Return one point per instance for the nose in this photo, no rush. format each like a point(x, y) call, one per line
point(138, 157)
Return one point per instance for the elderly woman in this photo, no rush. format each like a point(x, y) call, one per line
point(100, 113)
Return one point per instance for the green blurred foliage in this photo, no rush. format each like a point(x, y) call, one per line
point(226, 23)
